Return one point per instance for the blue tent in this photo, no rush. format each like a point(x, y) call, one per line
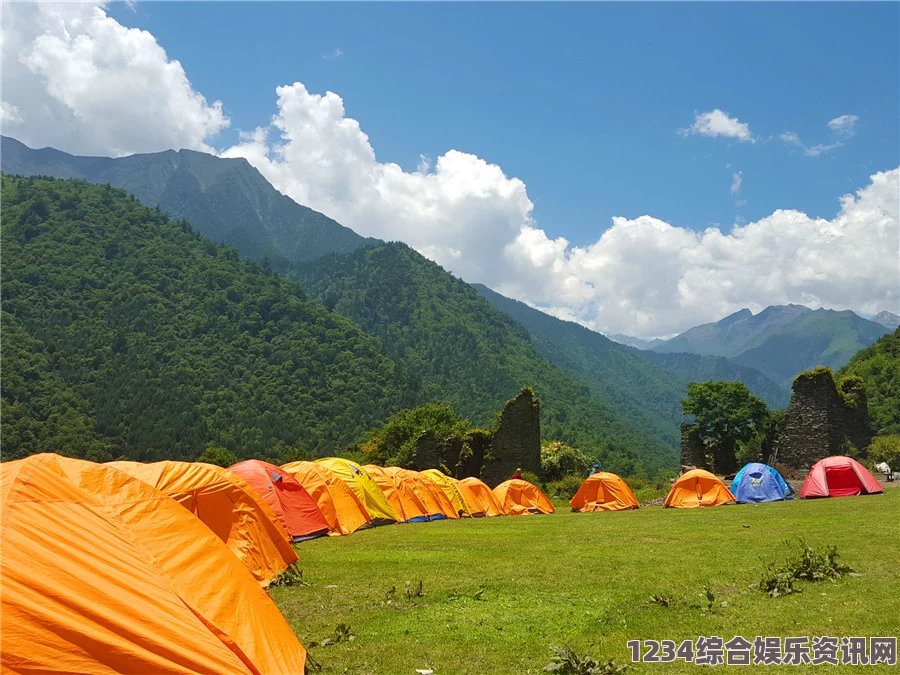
point(757, 482)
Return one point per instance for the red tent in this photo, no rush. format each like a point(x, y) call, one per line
point(838, 477)
point(290, 502)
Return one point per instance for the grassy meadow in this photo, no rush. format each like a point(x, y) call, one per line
point(498, 592)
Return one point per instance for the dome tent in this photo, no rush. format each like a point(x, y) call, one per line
point(340, 506)
point(102, 572)
point(450, 486)
point(838, 477)
point(364, 487)
point(518, 497)
point(479, 498)
point(603, 492)
point(285, 496)
point(228, 506)
point(757, 482)
point(698, 488)
point(399, 493)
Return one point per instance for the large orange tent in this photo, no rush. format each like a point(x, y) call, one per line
point(365, 488)
point(479, 498)
point(437, 506)
point(285, 496)
point(400, 494)
point(449, 486)
point(518, 497)
point(102, 573)
point(229, 507)
point(603, 492)
point(342, 509)
point(697, 488)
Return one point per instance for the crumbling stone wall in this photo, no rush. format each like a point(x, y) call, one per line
point(693, 451)
point(821, 419)
point(517, 440)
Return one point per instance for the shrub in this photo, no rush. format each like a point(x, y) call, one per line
point(558, 460)
point(564, 488)
point(886, 449)
point(806, 566)
point(219, 456)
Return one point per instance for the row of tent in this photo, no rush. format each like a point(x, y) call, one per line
point(755, 483)
point(170, 560)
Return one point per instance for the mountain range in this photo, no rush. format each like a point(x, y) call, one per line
point(227, 200)
point(438, 337)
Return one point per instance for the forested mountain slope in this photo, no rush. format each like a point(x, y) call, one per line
point(127, 334)
point(226, 199)
point(468, 353)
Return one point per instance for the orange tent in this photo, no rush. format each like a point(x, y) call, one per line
point(437, 506)
point(518, 497)
point(340, 506)
point(400, 494)
point(285, 496)
point(603, 492)
point(102, 573)
point(698, 488)
point(479, 498)
point(228, 506)
point(449, 486)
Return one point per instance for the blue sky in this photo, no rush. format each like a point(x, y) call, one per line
point(637, 167)
point(581, 101)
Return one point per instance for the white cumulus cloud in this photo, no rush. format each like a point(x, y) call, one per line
point(844, 125)
point(842, 128)
point(718, 123)
point(83, 83)
point(736, 180)
point(459, 210)
point(647, 277)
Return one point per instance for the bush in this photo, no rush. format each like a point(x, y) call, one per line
point(807, 566)
point(886, 449)
point(219, 456)
point(559, 460)
point(564, 488)
point(533, 478)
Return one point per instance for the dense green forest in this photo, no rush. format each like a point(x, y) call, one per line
point(126, 334)
point(879, 367)
point(469, 354)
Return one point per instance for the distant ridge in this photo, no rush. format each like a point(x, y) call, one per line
point(227, 200)
point(887, 319)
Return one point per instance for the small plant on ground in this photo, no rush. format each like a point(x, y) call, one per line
point(567, 662)
point(664, 600)
point(341, 634)
point(292, 576)
point(416, 592)
point(808, 565)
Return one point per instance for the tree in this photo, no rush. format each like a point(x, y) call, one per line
point(886, 449)
point(219, 456)
point(559, 460)
point(724, 413)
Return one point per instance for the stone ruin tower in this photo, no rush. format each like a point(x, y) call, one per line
point(822, 419)
point(490, 456)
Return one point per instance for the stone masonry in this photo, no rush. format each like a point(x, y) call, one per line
point(821, 420)
point(693, 452)
point(517, 441)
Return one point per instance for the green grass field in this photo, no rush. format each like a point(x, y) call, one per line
point(498, 592)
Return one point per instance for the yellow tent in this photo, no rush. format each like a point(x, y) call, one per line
point(228, 506)
point(340, 506)
point(448, 485)
point(400, 494)
point(365, 488)
point(102, 573)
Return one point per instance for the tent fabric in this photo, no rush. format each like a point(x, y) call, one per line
point(102, 573)
point(437, 506)
point(340, 506)
point(292, 504)
point(782, 483)
point(698, 488)
point(479, 498)
point(757, 482)
point(838, 477)
point(229, 507)
point(518, 497)
point(400, 494)
point(365, 488)
point(449, 486)
point(603, 492)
